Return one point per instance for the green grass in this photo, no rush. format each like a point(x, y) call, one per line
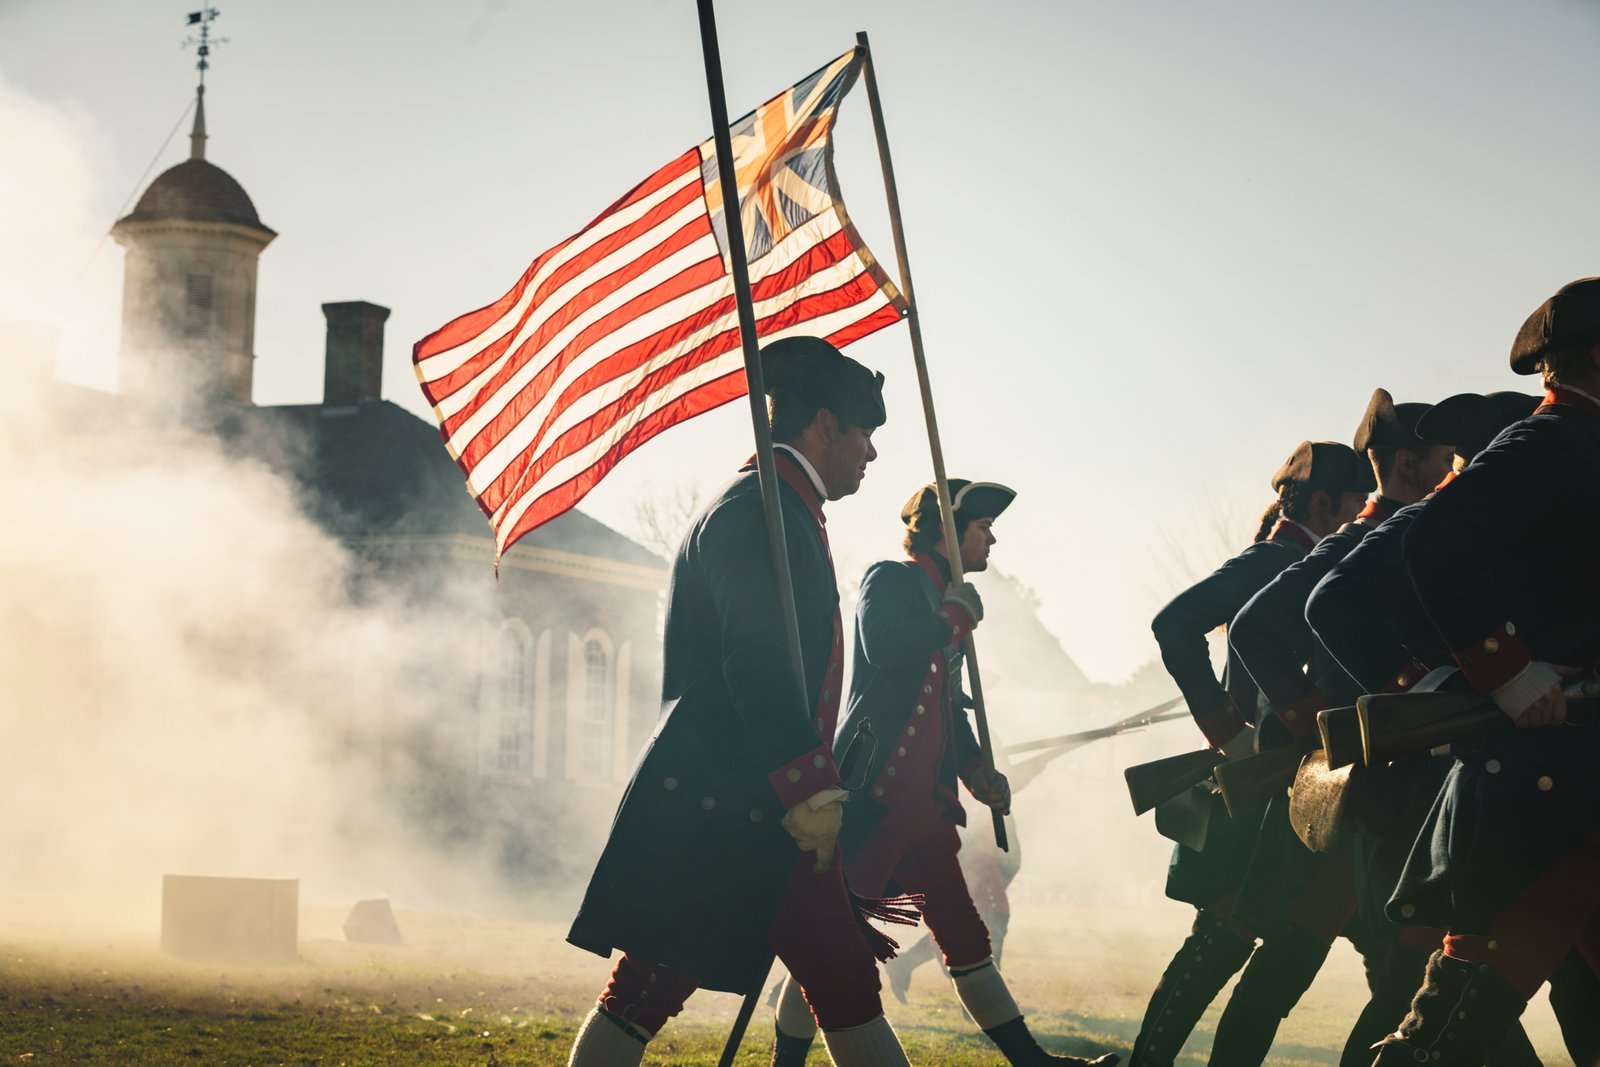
point(495, 993)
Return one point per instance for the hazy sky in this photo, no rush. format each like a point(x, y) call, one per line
point(1156, 244)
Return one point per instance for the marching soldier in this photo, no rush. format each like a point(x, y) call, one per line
point(1322, 486)
point(1300, 901)
point(902, 829)
point(1504, 561)
point(1366, 614)
point(699, 883)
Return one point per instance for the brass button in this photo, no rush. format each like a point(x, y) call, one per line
point(1546, 783)
point(921, 710)
point(707, 803)
point(1511, 629)
point(821, 726)
point(1403, 681)
point(890, 772)
point(878, 791)
point(756, 815)
point(670, 784)
point(927, 689)
point(1491, 645)
point(902, 751)
point(911, 731)
point(934, 668)
point(1290, 715)
point(794, 774)
point(1492, 766)
point(819, 762)
point(1407, 910)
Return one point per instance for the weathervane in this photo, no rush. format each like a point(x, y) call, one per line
point(203, 18)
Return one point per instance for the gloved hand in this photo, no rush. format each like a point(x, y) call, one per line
point(816, 829)
point(1243, 744)
point(992, 788)
point(965, 596)
point(1533, 698)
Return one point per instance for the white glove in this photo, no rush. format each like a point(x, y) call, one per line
point(965, 596)
point(1243, 744)
point(1533, 697)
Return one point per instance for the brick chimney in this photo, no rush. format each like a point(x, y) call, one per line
point(354, 368)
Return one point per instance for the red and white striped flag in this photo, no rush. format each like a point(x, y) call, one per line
point(629, 326)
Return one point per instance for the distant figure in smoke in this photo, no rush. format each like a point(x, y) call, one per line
point(901, 831)
point(989, 874)
point(699, 883)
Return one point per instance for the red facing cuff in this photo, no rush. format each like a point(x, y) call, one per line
point(1221, 724)
point(803, 778)
point(1495, 659)
point(1408, 676)
point(959, 620)
point(1300, 718)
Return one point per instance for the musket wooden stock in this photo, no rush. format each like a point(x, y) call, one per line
point(1340, 729)
point(1398, 724)
point(1151, 783)
point(1249, 782)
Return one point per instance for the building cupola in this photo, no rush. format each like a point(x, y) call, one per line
point(189, 280)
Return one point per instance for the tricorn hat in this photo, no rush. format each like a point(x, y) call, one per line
point(969, 500)
point(1571, 317)
point(1469, 421)
point(1328, 465)
point(812, 368)
point(1389, 424)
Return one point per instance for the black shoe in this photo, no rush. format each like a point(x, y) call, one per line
point(790, 1051)
point(1017, 1044)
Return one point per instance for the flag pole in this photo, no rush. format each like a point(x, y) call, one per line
point(952, 545)
point(766, 465)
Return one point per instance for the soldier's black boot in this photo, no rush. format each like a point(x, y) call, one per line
point(1391, 982)
point(1210, 956)
point(1278, 974)
point(788, 1051)
point(1461, 1012)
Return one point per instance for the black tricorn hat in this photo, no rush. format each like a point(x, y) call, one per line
point(812, 368)
point(1469, 421)
point(1389, 424)
point(1327, 465)
point(969, 500)
point(1571, 317)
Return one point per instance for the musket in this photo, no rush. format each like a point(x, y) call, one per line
point(1340, 729)
point(1148, 717)
point(1399, 724)
point(1248, 782)
point(1151, 783)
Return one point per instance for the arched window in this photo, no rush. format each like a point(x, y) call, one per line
point(598, 713)
point(508, 704)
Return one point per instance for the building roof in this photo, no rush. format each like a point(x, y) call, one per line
point(198, 191)
point(378, 469)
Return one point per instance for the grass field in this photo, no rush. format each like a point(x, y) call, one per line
point(495, 993)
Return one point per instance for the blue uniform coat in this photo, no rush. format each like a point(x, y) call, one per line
point(1506, 560)
point(696, 862)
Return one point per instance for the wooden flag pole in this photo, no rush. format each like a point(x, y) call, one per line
point(952, 545)
point(766, 465)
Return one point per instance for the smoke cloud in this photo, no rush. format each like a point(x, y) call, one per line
point(197, 678)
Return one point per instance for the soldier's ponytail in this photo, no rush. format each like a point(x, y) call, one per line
point(1269, 519)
